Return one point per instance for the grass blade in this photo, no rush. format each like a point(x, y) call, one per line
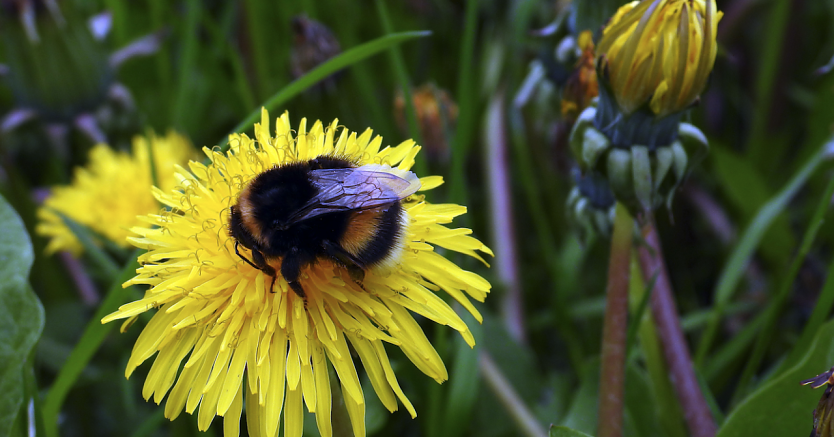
point(735, 266)
point(776, 303)
point(821, 311)
point(188, 60)
point(669, 412)
point(332, 65)
point(401, 73)
point(768, 72)
point(466, 106)
point(219, 39)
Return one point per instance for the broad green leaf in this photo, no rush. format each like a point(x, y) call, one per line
point(21, 313)
point(563, 431)
point(582, 414)
point(783, 407)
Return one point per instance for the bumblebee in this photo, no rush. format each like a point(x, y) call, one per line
point(324, 208)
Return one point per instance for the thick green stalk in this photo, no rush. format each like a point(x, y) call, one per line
point(669, 411)
point(615, 327)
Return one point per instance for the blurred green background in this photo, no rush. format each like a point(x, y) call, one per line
point(732, 233)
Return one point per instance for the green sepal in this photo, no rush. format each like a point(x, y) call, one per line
point(680, 162)
point(693, 141)
point(619, 171)
point(642, 175)
point(594, 145)
point(664, 157)
point(577, 135)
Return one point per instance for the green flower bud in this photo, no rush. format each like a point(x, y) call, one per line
point(590, 206)
point(643, 175)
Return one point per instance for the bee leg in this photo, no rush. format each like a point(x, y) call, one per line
point(260, 264)
point(356, 273)
point(272, 285)
point(237, 251)
point(350, 263)
point(290, 270)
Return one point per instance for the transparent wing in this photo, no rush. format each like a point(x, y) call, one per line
point(366, 187)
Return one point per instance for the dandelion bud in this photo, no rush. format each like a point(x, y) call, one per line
point(659, 53)
point(653, 60)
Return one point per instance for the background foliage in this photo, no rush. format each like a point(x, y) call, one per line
point(731, 239)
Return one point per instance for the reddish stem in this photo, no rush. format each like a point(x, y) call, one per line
point(615, 327)
point(696, 412)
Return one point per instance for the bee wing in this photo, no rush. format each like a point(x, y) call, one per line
point(345, 189)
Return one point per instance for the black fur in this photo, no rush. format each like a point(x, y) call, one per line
point(279, 192)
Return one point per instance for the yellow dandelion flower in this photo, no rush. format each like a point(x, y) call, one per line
point(111, 191)
point(659, 52)
point(238, 340)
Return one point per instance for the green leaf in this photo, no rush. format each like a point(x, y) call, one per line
point(782, 407)
point(332, 65)
point(750, 240)
point(563, 431)
point(747, 188)
point(21, 313)
point(583, 410)
point(780, 298)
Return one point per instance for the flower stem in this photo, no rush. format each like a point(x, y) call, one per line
point(694, 405)
point(501, 212)
point(614, 330)
point(524, 418)
point(83, 283)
